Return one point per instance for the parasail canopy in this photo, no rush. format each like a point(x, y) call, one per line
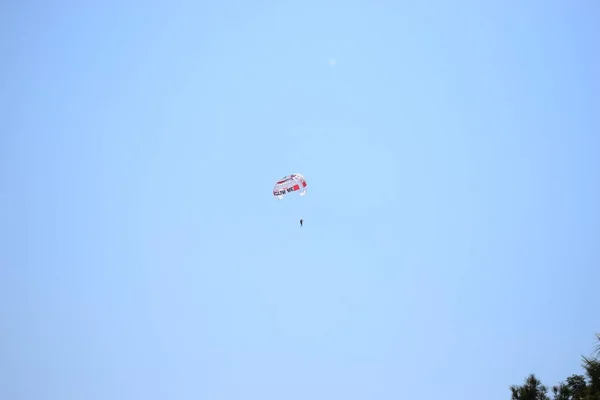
point(289, 184)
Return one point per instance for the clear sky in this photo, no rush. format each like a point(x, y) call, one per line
point(450, 244)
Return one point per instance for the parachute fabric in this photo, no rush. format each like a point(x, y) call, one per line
point(288, 184)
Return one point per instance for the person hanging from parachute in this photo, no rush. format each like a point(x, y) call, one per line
point(288, 184)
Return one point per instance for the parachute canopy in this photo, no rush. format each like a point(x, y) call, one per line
point(288, 184)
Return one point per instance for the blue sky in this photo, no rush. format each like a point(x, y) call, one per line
point(451, 225)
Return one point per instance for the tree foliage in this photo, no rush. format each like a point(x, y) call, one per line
point(575, 387)
point(532, 389)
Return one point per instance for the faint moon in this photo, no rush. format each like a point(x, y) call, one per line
point(332, 61)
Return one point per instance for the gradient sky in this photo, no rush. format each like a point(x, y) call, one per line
point(450, 244)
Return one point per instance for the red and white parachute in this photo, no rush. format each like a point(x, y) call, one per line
point(288, 184)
